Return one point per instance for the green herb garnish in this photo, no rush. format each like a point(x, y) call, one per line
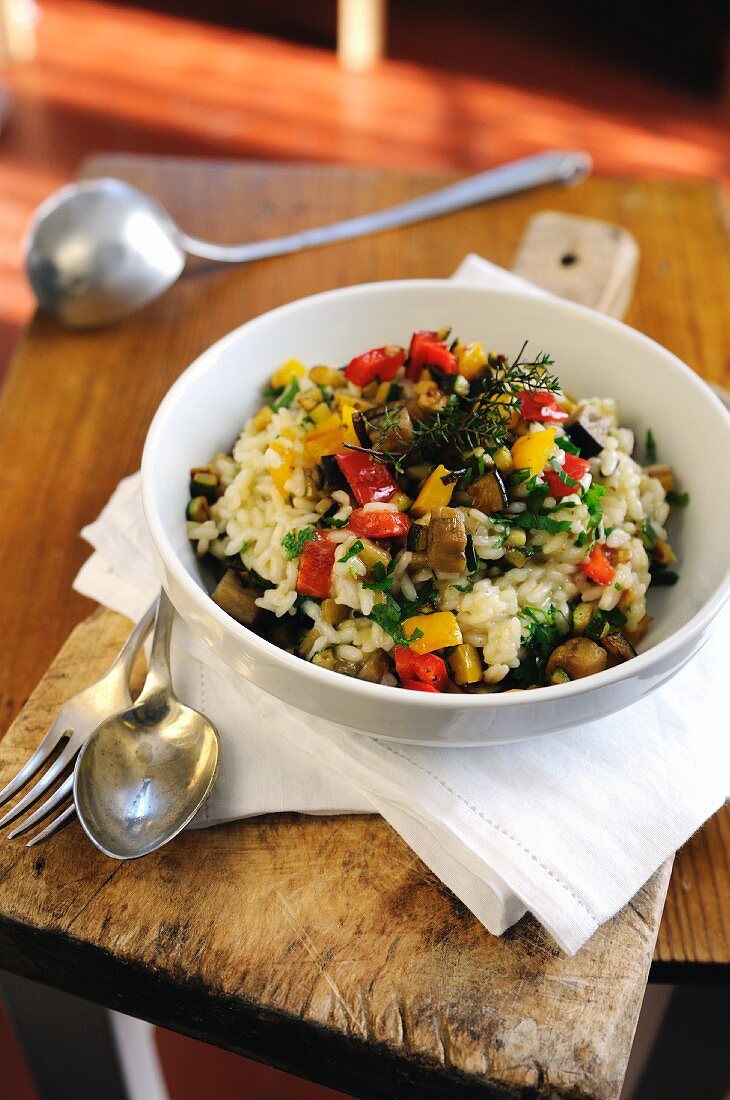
point(566, 444)
point(604, 622)
point(331, 521)
point(678, 498)
point(355, 549)
point(285, 399)
point(388, 616)
point(542, 630)
point(565, 478)
point(381, 578)
point(467, 421)
point(648, 534)
point(293, 542)
point(650, 448)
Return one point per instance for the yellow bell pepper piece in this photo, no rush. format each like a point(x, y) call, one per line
point(281, 473)
point(531, 452)
point(472, 359)
point(466, 664)
point(439, 630)
point(320, 412)
point(511, 416)
point(326, 376)
point(286, 372)
point(326, 439)
point(433, 494)
point(347, 412)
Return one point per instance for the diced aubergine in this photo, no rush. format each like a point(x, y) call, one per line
point(574, 659)
point(417, 538)
point(446, 548)
point(374, 667)
point(198, 510)
point(394, 434)
point(203, 483)
point(237, 599)
point(362, 429)
point(332, 474)
point(488, 493)
point(588, 429)
point(618, 648)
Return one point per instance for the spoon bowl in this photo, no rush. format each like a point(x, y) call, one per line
point(144, 772)
point(99, 250)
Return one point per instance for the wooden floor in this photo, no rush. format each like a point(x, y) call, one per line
point(458, 93)
point(111, 77)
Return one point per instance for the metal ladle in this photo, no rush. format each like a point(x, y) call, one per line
point(100, 249)
point(144, 772)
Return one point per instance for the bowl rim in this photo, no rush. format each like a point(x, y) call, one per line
point(375, 692)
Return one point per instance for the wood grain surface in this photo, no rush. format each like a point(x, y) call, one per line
point(322, 946)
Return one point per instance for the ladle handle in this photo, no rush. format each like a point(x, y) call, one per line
point(158, 675)
point(509, 179)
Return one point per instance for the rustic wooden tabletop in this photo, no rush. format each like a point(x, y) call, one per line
point(323, 946)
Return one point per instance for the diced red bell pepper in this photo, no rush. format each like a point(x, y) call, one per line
point(416, 685)
point(542, 406)
point(369, 479)
point(575, 467)
point(379, 525)
point(382, 363)
point(597, 566)
point(315, 567)
point(420, 668)
point(427, 350)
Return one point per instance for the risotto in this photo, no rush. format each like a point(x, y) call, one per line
point(437, 518)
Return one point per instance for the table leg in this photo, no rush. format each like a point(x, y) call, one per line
point(75, 1048)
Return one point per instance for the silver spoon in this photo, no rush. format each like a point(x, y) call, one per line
point(144, 772)
point(98, 250)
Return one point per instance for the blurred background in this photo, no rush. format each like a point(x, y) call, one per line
point(414, 84)
point(417, 84)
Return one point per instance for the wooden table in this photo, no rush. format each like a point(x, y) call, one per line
point(323, 946)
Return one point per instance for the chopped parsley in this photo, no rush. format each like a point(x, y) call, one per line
point(293, 542)
point(647, 533)
point(355, 549)
point(388, 617)
point(381, 578)
point(678, 498)
point(541, 632)
point(565, 478)
point(332, 521)
point(604, 622)
point(650, 448)
point(566, 444)
point(285, 399)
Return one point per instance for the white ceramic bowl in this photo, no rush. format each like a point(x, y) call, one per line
point(207, 406)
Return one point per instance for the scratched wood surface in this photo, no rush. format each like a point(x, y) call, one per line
point(322, 946)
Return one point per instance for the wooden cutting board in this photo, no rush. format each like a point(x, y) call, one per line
point(320, 945)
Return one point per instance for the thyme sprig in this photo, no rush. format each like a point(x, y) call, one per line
point(479, 418)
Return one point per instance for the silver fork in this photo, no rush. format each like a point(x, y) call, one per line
point(75, 722)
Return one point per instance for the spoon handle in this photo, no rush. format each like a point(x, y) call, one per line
point(509, 179)
point(158, 675)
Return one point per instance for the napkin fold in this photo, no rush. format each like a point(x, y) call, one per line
point(567, 826)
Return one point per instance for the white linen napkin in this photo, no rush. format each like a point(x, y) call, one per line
point(567, 826)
